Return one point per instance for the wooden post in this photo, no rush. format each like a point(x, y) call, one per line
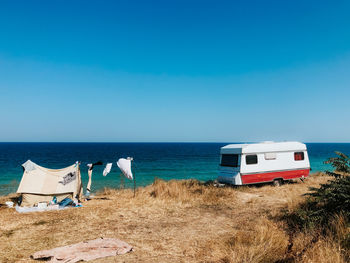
point(121, 186)
point(134, 178)
point(134, 185)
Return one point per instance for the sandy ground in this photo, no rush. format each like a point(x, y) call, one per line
point(176, 221)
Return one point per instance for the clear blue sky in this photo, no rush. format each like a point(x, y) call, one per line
point(175, 70)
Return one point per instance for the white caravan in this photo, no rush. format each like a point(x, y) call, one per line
point(254, 163)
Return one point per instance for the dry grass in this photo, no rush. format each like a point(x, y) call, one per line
point(323, 251)
point(176, 221)
point(260, 240)
point(329, 248)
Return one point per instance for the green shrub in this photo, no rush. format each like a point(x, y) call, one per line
point(327, 201)
point(322, 204)
point(341, 165)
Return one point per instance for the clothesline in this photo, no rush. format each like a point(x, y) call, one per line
point(124, 166)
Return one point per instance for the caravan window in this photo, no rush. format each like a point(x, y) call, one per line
point(251, 159)
point(230, 160)
point(299, 156)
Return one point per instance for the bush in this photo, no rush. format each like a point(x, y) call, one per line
point(323, 204)
point(325, 214)
point(329, 200)
point(341, 165)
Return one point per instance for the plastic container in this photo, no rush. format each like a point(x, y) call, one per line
point(42, 205)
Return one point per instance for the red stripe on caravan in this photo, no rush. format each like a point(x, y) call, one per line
point(268, 177)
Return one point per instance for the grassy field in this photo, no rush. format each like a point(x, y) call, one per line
point(176, 221)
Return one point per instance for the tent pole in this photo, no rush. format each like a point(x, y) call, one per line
point(134, 178)
point(134, 185)
point(121, 186)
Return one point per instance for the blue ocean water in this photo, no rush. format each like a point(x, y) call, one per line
point(151, 160)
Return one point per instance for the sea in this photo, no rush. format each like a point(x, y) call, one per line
point(151, 160)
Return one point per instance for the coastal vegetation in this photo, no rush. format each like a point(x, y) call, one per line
point(190, 221)
point(325, 214)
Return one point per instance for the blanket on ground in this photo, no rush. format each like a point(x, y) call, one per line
point(85, 251)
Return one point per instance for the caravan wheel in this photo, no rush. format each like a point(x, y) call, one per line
point(277, 182)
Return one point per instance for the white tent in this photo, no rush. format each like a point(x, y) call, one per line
point(40, 184)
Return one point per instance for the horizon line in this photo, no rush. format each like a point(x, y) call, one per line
point(156, 142)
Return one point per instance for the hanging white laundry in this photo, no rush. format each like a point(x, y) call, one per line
point(107, 169)
point(88, 187)
point(125, 166)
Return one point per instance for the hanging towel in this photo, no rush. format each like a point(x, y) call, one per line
point(88, 187)
point(107, 169)
point(125, 166)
